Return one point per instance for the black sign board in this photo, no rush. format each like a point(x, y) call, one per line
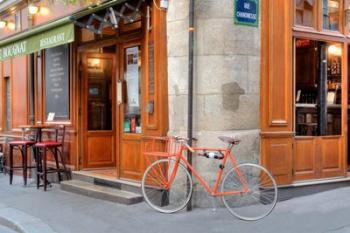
point(57, 81)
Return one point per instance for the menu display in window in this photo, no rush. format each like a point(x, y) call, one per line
point(132, 109)
point(57, 81)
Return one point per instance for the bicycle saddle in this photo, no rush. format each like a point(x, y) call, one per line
point(229, 140)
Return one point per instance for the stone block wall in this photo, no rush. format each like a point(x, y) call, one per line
point(227, 80)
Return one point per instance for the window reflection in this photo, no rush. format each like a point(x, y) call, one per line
point(331, 14)
point(304, 12)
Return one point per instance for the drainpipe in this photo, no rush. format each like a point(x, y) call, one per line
point(190, 86)
point(31, 78)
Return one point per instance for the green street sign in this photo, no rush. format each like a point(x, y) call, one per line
point(246, 12)
point(48, 39)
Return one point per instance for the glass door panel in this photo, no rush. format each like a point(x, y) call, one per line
point(304, 12)
point(334, 90)
point(132, 79)
point(99, 101)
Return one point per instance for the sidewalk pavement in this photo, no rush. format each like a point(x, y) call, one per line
point(6, 230)
point(70, 213)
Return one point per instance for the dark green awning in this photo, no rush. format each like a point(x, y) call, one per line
point(51, 38)
point(49, 35)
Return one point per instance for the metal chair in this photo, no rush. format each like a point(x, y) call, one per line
point(28, 140)
point(56, 147)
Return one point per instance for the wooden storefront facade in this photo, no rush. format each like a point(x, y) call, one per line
point(305, 88)
point(116, 89)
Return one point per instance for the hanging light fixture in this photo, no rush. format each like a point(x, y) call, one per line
point(44, 10)
point(334, 50)
point(11, 25)
point(33, 9)
point(2, 24)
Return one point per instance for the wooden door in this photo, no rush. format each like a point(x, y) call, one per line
point(305, 159)
point(131, 160)
point(98, 110)
point(318, 157)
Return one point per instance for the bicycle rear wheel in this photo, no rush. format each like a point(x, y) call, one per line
point(154, 186)
point(260, 198)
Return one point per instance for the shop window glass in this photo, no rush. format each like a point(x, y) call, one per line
point(331, 14)
point(318, 71)
point(304, 12)
point(132, 77)
point(333, 98)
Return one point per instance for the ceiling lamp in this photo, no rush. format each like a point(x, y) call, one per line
point(334, 50)
point(11, 25)
point(33, 9)
point(2, 24)
point(44, 11)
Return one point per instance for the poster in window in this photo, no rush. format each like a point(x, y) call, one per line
point(57, 82)
point(132, 76)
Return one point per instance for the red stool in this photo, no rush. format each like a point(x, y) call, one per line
point(56, 147)
point(22, 146)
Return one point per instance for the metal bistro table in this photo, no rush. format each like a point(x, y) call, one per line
point(38, 128)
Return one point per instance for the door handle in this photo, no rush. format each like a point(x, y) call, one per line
point(119, 92)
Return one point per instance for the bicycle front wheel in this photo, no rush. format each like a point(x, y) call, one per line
point(257, 200)
point(161, 195)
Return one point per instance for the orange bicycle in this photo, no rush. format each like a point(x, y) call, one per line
point(248, 191)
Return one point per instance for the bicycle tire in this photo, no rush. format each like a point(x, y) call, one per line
point(162, 199)
point(261, 198)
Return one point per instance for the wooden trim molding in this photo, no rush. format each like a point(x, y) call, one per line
point(277, 134)
point(276, 68)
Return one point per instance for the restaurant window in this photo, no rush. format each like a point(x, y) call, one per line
point(57, 84)
point(8, 113)
point(132, 77)
point(331, 14)
point(304, 12)
point(318, 72)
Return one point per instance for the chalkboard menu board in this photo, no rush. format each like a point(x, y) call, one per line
point(57, 81)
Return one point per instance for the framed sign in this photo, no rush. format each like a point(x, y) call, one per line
point(57, 82)
point(246, 12)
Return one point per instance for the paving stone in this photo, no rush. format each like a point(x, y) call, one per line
point(6, 230)
point(22, 222)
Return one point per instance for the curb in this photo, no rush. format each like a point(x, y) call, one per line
point(21, 222)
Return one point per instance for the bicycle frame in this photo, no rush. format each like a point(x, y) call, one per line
point(211, 190)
